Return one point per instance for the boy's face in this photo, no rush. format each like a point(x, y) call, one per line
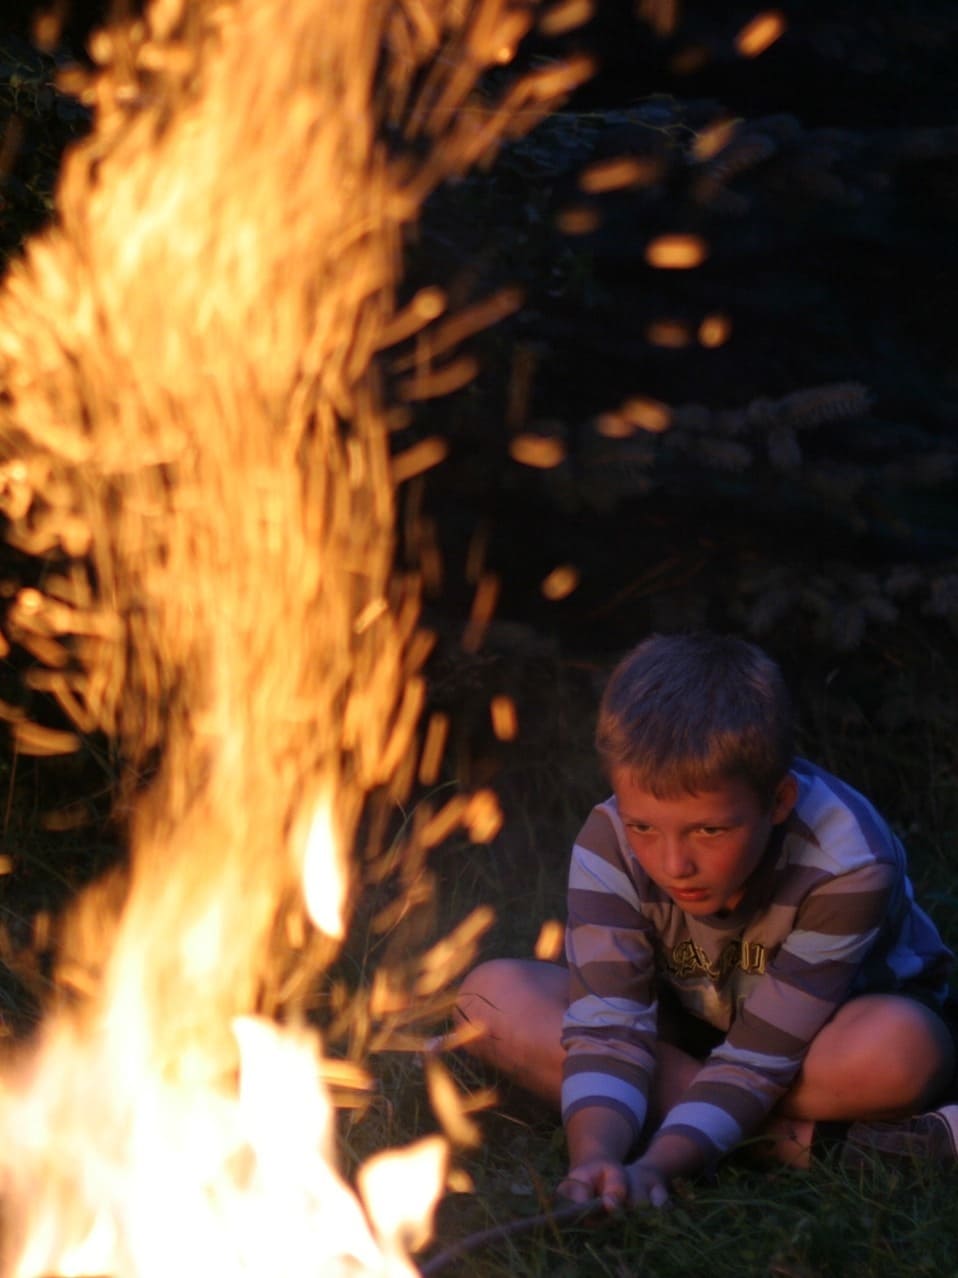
point(701, 848)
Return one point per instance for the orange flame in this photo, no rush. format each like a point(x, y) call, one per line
point(192, 427)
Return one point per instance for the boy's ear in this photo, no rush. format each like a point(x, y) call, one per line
point(785, 797)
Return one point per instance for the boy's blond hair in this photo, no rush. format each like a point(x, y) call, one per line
point(683, 713)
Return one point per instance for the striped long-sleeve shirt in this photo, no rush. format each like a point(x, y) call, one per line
point(828, 914)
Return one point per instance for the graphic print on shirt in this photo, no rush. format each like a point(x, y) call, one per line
point(688, 959)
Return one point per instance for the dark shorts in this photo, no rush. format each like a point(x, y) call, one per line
point(682, 1028)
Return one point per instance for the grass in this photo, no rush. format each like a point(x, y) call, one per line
point(816, 1224)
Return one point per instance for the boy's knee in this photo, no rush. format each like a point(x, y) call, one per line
point(484, 992)
point(514, 1009)
point(482, 1009)
point(923, 1075)
point(519, 1001)
point(906, 1047)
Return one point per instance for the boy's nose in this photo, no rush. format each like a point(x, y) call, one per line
point(676, 862)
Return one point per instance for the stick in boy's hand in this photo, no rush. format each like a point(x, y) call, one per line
point(567, 1214)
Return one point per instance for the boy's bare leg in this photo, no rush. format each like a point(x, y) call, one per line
point(518, 1004)
point(880, 1056)
point(856, 1069)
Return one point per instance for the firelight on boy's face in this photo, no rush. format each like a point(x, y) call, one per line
point(700, 848)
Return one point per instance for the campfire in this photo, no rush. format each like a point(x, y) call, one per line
point(195, 445)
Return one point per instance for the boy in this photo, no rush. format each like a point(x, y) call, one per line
point(744, 951)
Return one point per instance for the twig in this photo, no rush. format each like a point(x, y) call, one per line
point(570, 1213)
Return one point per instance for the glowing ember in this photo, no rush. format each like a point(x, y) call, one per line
point(613, 426)
point(715, 330)
point(550, 942)
point(505, 721)
point(483, 606)
point(560, 582)
point(623, 171)
point(676, 252)
point(542, 451)
point(670, 333)
point(192, 436)
point(434, 745)
point(760, 32)
point(578, 220)
point(713, 139)
point(647, 414)
point(565, 16)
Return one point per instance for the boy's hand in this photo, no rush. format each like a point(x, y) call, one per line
point(599, 1140)
point(648, 1184)
point(618, 1185)
point(601, 1178)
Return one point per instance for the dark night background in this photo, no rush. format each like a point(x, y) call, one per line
point(805, 491)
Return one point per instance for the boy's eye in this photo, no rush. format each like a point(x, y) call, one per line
point(712, 830)
point(637, 828)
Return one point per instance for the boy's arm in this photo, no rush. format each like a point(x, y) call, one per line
point(599, 1141)
point(610, 1025)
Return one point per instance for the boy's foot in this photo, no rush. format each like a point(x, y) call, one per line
point(926, 1138)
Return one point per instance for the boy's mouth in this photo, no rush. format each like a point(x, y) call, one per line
point(689, 894)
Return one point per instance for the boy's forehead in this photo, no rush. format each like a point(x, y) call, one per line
point(632, 797)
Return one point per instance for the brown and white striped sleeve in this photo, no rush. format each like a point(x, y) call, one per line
point(610, 1024)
